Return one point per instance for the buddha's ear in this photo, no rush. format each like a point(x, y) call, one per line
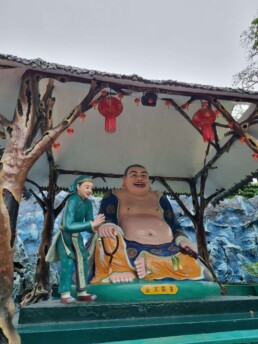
point(123, 182)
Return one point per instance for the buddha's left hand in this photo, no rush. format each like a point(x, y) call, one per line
point(188, 245)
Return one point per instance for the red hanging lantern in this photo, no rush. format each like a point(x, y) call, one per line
point(70, 131)
point(110, 108)
point(137, 101)
point(56, 146)
point(242, 139)
point(204, 118)
point(255, 156)
point(103, 93)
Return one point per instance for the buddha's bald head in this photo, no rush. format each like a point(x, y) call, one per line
point(130, 166)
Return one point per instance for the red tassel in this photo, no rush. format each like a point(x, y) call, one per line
point(110, 124)
point(207, 133)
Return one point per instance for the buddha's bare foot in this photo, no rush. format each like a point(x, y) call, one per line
point(121, 277)
point(140, 267)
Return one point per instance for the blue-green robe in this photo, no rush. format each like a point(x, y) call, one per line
point(76, 218)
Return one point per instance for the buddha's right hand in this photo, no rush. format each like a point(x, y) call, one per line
point(107, 231)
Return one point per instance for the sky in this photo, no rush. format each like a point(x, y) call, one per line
point(193, 41)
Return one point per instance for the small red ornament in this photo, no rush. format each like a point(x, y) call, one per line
point(205, 104)
point(120, 96)
point(94, 103)
point(230, 124)
point(255, 156)
point(150, 100)
point(82, 116)
point(185, 106)
point(110, 107)
point(103, 93)
point(168, 103)
point(137, 100)
point(70, 131)
point(204, 118)
point(56, 146)
point(242, 139)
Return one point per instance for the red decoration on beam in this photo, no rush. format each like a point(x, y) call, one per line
point(82, 116)
point(70, 131)
point(110, 107)
point(137, 101)
point(255, 156)
point(168, 103)
point(185, 106)
point(242, 139)
point(204, 118)
point(56, 146)
point(103, 93)
point(94, 103)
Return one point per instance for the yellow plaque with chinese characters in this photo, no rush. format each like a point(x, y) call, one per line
point(159, 289)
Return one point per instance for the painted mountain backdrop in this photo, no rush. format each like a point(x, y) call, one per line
point(231, 229)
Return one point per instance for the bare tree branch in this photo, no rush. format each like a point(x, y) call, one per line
point(215, 194)
point(39, 187)
point(51, 135)
point(60, 207)
point(4, 121)
point(39, 200)
point(176, 197)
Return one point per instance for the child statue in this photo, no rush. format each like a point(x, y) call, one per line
point(68, 245)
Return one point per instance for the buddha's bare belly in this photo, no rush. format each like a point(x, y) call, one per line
point(146, 229)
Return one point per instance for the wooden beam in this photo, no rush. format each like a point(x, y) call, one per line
point(142, 85)
point(114, 175)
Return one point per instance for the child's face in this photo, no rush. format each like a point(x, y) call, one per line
point(85, 189)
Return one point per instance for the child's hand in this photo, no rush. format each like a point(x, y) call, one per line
point(99, 220)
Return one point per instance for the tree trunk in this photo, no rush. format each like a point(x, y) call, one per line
point(42, 288)
point(43, 267)
point(20, 154)
point(9, 206)
point(201, 240)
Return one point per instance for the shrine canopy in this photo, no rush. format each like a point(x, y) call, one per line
point(156, 126)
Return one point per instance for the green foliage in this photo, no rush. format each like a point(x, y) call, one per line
point(248, 77)
point(248, 191)
point(252, 269)
point(98, 193)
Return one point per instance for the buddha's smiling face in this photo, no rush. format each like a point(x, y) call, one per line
point(137, 180)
